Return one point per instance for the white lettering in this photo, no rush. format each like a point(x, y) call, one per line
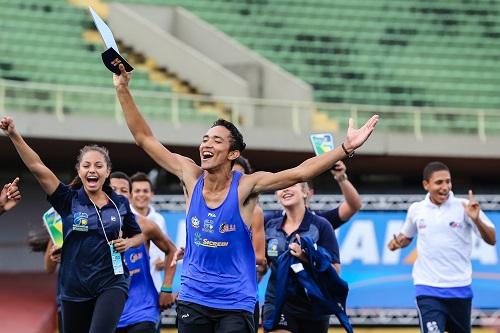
point(360, 243)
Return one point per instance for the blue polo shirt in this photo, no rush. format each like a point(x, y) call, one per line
point(86, 268)
point(320, 231)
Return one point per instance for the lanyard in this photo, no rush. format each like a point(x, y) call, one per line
point(100, 220)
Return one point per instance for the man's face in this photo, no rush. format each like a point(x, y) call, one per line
point(120, 186)
point(142, 194)
point(215, 148)
point(438, 186)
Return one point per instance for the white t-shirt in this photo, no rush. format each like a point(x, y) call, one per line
point(444, 242)
point(154, 252)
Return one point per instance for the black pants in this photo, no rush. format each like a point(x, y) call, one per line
point(143, 327)
point(99, 315)
point(195, 318)
point(256, 317)
point(438, 314)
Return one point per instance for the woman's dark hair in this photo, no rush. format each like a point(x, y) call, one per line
point(76, 183)
point(237, 139)
point(432, 167)
point(243, 162)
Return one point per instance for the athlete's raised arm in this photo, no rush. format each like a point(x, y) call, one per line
point(47, 179)
point(266, 181)
point(184, 168)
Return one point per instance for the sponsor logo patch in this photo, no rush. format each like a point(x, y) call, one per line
point(195, 222)
point(80, 221)
point(224, 227)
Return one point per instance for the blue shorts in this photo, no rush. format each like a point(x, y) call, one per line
point(438, 315)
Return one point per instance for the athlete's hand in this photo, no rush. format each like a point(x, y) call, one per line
point(122, 80)
point(167, 300)
point(121, 244)
point(8, 126)
point(356, 137)
point(159, 264)
point(394, 243)
point(296, 249)
point(338, 169)
point(55, 253)
point(10, 195)
point(178, 255)
point(472, 207)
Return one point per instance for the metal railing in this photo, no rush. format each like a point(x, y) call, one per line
point(381, 202)
point(178, 109)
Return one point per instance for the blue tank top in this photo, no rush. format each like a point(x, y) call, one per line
point(219, 260)
point(142, 303)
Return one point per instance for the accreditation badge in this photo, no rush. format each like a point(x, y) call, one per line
point(116, 259)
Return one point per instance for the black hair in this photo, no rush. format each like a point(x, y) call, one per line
point(432, 167)
point(243, 162)
point(237, 142)
point(141, 177)
point(76, 183)
point(38, 239)
point(121, 175)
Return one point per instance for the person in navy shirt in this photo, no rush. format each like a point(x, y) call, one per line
point(218, 285)
point(98, 227)
point(284, 233)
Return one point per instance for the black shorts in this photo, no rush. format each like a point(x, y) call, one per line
point(294, 324)
point(196, 318)
point(142, 327)
point(438, 314)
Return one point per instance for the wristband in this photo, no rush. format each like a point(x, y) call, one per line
point(167, 290)
point(348, 154)
point(341, 178)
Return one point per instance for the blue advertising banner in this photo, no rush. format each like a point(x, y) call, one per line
point(377, 277)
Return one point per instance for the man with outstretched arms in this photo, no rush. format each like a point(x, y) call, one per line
point(218, 285)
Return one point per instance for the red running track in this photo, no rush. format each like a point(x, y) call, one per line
point(27, 303)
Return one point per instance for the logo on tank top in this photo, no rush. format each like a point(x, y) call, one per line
point(200, 241)
point(455, 225)
point(80, 221)
point(135, 256)
point(195, 222)
point(208, 226)
point(224, 227)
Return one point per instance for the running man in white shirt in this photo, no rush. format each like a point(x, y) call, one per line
point(442, 272)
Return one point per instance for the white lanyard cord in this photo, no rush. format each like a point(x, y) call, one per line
point(100, 220)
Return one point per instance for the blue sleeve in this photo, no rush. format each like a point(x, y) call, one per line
point(333, 217)
point(130, 226)
point(328, 240)
point(61, 199)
